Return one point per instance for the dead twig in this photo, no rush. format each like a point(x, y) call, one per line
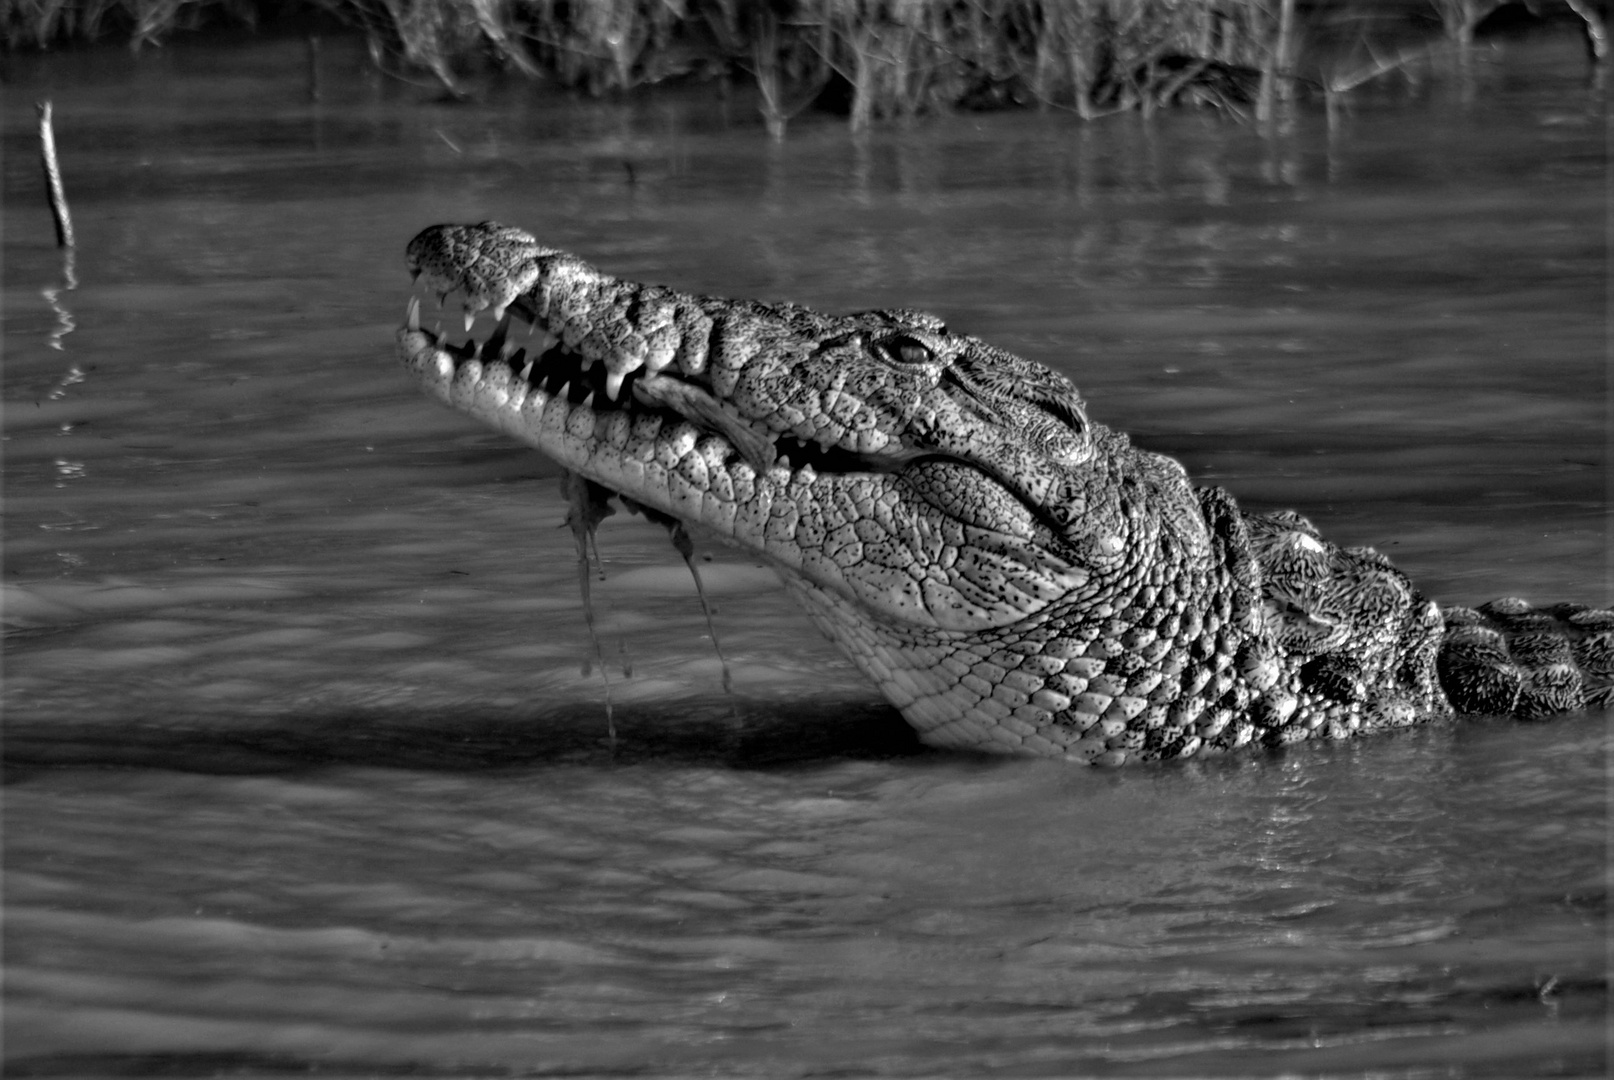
point(65, 240)
point(53, 178)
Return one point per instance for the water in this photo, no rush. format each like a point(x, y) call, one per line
point(305, 768)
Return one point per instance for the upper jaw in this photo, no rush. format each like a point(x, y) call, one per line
point(626, 327)
point(488, 265)
point(520, 344)
point(635, 346)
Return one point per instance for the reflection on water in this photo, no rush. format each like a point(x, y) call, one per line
point(305, 765)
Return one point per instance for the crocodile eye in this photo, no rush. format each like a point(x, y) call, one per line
point(1064, 411)
point(906, 350)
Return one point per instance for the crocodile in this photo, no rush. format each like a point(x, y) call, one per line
point(1015, 577)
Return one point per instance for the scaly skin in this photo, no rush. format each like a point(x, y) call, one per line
point(1014, 577)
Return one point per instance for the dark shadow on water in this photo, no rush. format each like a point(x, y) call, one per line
point(478, 738)
point(774, 736)
point(209, 1063)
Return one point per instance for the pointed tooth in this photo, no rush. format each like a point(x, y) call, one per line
point(588, 362)
point(783, 462)
point(470, 319)
point(613, 383)
point(526, 371)
point(412, 315)
point(588, 402)
point(498, 313)
point(508, 350)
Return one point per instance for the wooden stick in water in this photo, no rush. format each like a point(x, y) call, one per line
point(53, 178)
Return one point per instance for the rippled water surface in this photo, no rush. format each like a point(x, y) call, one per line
point(305, 751)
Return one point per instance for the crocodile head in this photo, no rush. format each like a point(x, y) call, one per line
point(1014, 576)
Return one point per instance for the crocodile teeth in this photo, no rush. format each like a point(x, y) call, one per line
point(698, 406)
point(412, 315)
point(470, 318)
point(526, 370)
point(613, 383)
point(588, 402)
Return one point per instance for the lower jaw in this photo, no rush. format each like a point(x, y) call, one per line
point(670, 466)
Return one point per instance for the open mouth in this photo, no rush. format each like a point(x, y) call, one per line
point(768, 426)
point(507, 370)
point(518, 355)
point(651, 379)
